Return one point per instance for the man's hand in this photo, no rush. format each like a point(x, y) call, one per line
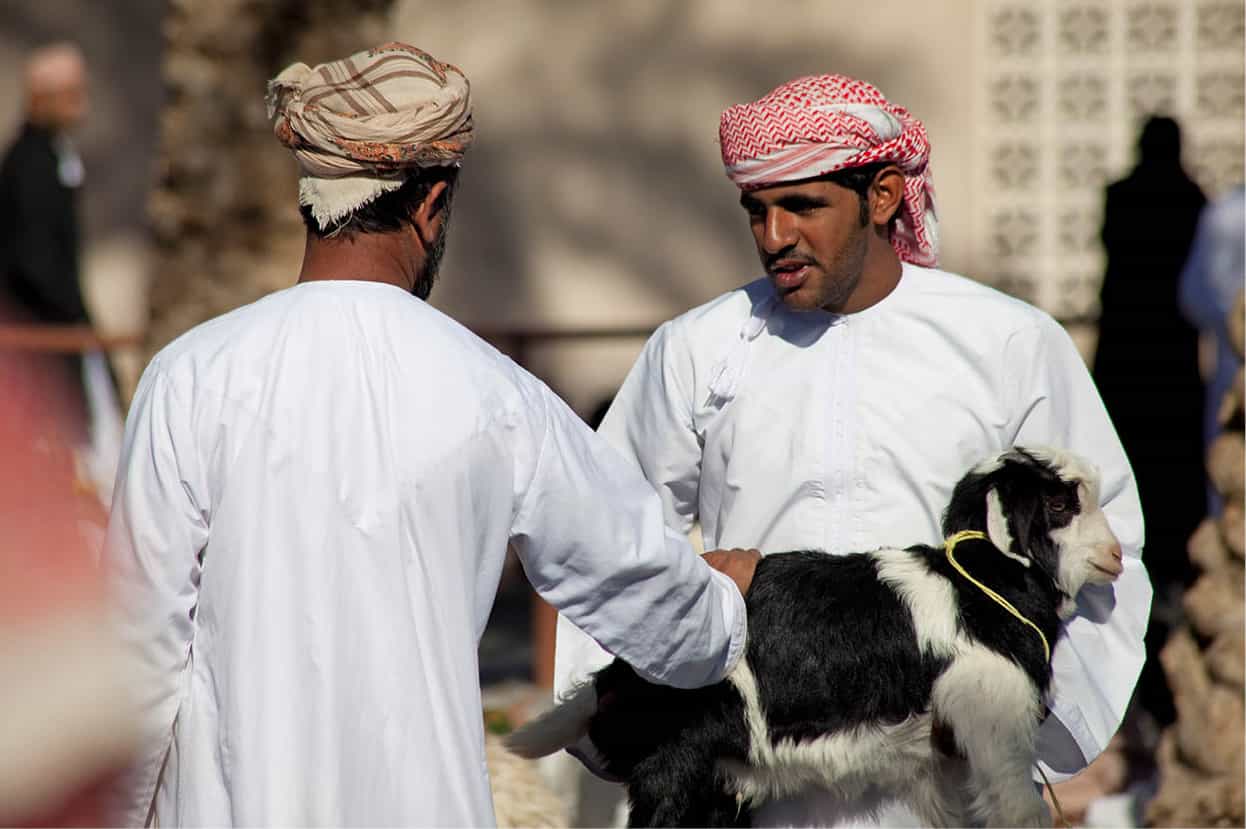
point(737, 564)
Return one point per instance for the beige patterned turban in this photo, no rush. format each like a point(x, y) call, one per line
point(357, 125)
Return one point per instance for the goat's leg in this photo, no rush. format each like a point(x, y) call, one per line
point(724, 808)
point(937, 794)
point(679, 785)
point(992, 709)
point(1002, 792)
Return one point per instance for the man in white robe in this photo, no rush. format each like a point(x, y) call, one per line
point(834, 403)
point(317, 494)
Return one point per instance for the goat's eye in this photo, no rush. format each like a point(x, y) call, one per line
point(1058, 504)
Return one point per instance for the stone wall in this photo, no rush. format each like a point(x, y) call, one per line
point(1201, 756)
point(223, 212)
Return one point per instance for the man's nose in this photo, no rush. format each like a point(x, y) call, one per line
point(779, 232)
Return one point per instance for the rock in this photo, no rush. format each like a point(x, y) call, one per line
point(1226, 465)
point(1187, 797)
point(1200, 757)
point(1210, 716)
point(1226, 660)
point(1230, 413)
point(1233, 528)
point(1183, 666)
point(1210, 730)
point(1206, 548)
point(1214, 604)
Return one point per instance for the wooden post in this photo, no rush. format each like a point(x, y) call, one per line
point(544, 623)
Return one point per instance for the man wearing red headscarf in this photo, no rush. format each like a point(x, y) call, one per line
point(833, 403)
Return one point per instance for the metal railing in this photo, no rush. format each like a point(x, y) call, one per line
point(62, 339)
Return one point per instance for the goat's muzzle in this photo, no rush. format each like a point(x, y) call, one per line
point(1108, 560)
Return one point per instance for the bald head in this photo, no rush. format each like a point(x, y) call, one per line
point(56, 86)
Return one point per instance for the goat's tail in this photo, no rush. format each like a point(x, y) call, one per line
point(561, 726)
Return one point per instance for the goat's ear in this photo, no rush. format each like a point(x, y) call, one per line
point(1024, 519)
point(997, 526)
point(996, 521)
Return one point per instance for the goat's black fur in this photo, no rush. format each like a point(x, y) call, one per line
point(834, 648)
point(808, 615)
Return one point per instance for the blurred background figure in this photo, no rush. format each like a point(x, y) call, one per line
point(1146, 367)
point(39, 239)
point(1212, 278)
point(65, 726)
point(39, 181)
point(40, 251)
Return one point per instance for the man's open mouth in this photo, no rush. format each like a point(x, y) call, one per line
point(789, 273)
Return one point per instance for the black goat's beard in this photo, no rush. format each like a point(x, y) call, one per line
point(427, 276)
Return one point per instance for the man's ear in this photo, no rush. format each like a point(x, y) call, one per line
point(430, 215)
point(885, 194)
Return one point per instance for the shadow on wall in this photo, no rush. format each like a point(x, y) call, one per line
point(594, 195)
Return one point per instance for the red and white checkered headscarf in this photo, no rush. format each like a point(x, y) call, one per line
point(822, 123)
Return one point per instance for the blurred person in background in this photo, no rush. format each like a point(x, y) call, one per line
point(1211, 280)
point(66, 729)
point(39, 182)
point(1146, 368)
point(40, 250)
point(40, 178)
point(318, 490)
point(834, 403)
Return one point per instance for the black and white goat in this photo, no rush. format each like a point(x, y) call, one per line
point(889, 674)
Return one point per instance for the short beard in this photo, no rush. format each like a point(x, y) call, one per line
point(427, 276)
point(844, 274)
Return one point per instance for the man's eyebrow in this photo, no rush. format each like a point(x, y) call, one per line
point(798, 202)
point(793, 202)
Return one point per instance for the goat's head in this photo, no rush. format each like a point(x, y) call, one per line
point(1041, 507)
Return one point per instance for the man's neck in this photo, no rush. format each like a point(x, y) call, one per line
point(391, 258)
point(41, 128)
point(879, 277)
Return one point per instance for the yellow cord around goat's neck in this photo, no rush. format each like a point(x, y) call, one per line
point(949, 545)
point(965, 535)
point(1055, 801)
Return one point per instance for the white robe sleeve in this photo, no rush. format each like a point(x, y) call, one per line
point(1096, 664)
point(650, 423)
point(591, 536)
point(157, 530)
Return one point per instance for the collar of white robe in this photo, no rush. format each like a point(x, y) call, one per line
point(729, 371)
